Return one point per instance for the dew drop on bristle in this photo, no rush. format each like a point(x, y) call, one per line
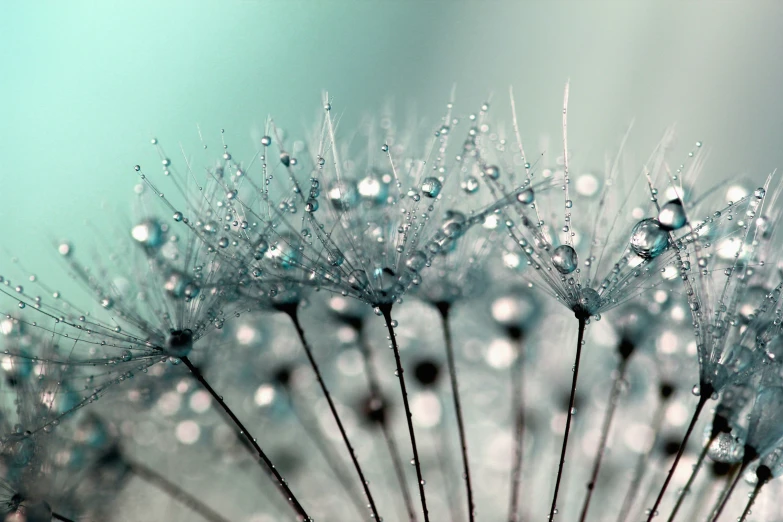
point(492, 172)
point(526, 196)
point(649, 239)
point(17, 450)
point(470, 185)
point(565, 259)
point(431, 187)
point(311, 205)
point(261, 248)
point(672, 215)
point(149, 233)
point(590, 300)
point(416, 261)
point(266, 141)
point(343, 195)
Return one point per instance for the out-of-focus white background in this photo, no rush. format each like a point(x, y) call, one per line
point(85, 85)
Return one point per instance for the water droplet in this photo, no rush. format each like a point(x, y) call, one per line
point(649, 239)
point(431, 187)
point(565, 259)
point(672, 215)
point(492, 171)
point(526, 196)
point(470, 185)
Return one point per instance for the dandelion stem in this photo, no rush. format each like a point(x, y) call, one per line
point(641, 463)
point(763, 474)
point(443, 453)
point(291, 311)
point(391, 443)
point(580, 338)
point(727, 491)
point(706, 392)
point(518, 414)
point(614, 395)
point(319, 441)
point(243, 433)
point(154, 478)
point(386, 311)
point(696, 468)
point(444, 308)
point(57, 516)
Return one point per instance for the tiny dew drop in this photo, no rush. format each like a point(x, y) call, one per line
point(696, 390)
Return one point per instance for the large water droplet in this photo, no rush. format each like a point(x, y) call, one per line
point(565, 259)
point(430, 187)
point(416, 261)
point(672, 215)
point(492, 171)
point(526, 196)
point(149, 233)
point(649, 239)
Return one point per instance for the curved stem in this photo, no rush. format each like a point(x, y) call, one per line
point(607, 424)
point(703, 398)
point(724, 498)
point(57, 516)
point(391, 443)
point(292, 313)
point(518, 414)
point(752, 499)
point(386, 311)
point(316, 436)
point(154, 478)
point(689, 484)
point(570, 414)
point(641, 464)
point(250, 441)
point(443, 308)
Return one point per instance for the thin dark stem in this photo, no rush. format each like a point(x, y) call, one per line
point(292, 313)
point(752, 499)
point(313, 432)
point(569, 415)
point(689, 484)
point(518, 414)
point(443, 308)
point(57, 516)
point(248, 438)
point(386, 311)
point(641, 463)
point(442, 453)
point(605, 428)
point(154, 478)
point(391, 443)
point(724, 498)
point(703, 398)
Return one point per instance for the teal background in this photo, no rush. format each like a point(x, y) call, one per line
point(85, 85)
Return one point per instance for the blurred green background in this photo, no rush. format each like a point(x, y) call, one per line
point(84, 85)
